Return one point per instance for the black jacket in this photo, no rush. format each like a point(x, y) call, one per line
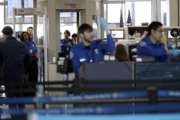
point(14, 60)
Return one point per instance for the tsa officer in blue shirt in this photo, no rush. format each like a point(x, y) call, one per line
point(30, 43)
point(66, 44)
point(33, 50)
point(152, 45)
point(89, 50)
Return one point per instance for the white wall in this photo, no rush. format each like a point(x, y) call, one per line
point(88, 8)
point(174, 17)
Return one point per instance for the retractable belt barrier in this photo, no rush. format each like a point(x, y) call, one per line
point(107, 109)
point(95, 97)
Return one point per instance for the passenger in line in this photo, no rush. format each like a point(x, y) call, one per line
point(14, 61)
point(74, 40)
point(66, 44)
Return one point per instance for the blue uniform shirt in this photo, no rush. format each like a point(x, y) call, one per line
point(31, 47)
point(66, 46)
point(93, 53)
point(147, 48)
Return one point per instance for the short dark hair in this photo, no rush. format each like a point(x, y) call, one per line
point(154, 26)
point(7, 31)
point(68, 32)
point(29, 28)
point(85, 27)
point(74, 35)
point(121, 54)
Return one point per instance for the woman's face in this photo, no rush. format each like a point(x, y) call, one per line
point(157, 34)
point(75, 39)
point(25, 36)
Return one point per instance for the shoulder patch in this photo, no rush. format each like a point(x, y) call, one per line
point(96, 51)
point(143, 44)
point(71, 54)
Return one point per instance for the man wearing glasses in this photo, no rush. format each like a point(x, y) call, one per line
point(153, 45)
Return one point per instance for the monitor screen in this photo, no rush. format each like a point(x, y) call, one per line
point(157, 71)
point(169, 35)
point(9, 11)
point(11, 5)
point(106, 71)
point(118, 34)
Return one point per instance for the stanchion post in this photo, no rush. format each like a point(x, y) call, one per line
point(40, 93)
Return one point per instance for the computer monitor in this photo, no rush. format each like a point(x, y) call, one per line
point(106, 71)
point(169, 35)
point(157, 71)
point(133, 30)
point(118, 34)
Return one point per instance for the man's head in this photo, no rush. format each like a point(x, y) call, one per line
point(86, 33)
point(155, 30)
point(30, 32)
point(74, 38)
point(67, 34)
point(7, 31)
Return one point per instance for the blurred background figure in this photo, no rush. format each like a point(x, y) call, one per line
point(27, 38)
point(24, 37)
point(30, 32)
point(31, 44)
point(14, 62)
point(74, 40)
point(121, 54)
point(66, 44)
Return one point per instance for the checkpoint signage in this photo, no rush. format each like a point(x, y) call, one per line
point(28, 11)
point(70, 6)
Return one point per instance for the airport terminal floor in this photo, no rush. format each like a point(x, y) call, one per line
point(89, 59)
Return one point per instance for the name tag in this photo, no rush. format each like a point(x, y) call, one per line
point(30, 51)
point(82, 60)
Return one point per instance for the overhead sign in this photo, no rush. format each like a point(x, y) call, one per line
point(70, 6)
point(28, 11)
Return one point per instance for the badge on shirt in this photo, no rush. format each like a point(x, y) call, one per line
point(82, 60)
point(71, 55)
point(96, 51)
point(31, 51)
point(143, 44)
point(91, 61)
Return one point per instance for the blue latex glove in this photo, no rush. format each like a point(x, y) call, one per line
point(103, 24)
point(111, 43)
point(175, 52)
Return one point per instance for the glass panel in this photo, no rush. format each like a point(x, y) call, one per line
point(165, 19)
point(133, 8)
point(1, 17)
point(113, 13)
point(18, 4)
point(28, 3)
point(68, 21)
point(136, 8)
